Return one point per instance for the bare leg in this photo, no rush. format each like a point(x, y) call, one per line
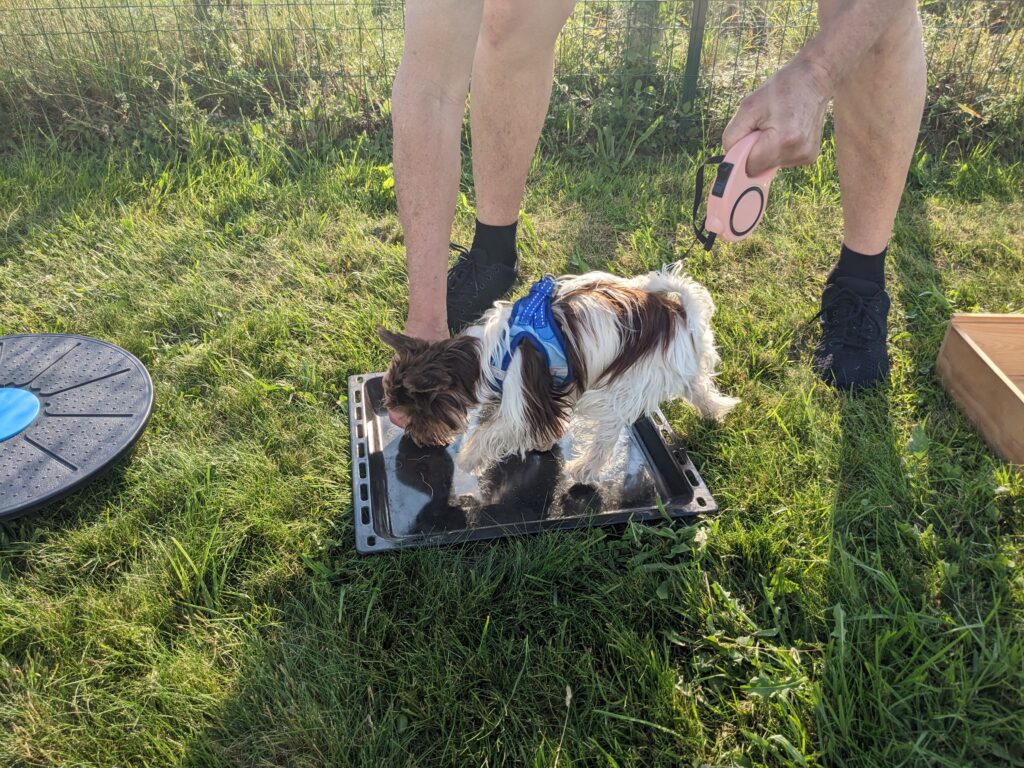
point(877, 113)
point(512, 73)
point(428, 104)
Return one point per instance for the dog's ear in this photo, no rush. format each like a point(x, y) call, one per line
point(399, 342)
point(462, 355)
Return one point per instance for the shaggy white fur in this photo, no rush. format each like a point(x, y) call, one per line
point(684, 369)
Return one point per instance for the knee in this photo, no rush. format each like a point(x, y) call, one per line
point(521, 28)
point(903, 35)
point(440, 38)
point(504, 22)
point(903, 31)
point(433, 78)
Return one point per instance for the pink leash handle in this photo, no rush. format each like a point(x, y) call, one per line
point(736, 202)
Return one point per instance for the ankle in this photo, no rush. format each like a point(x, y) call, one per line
point(860, 265)
point(498, 241)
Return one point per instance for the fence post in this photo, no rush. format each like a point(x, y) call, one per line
point(643, 38)
point(698, 21)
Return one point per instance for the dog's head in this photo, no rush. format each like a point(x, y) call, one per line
point(432, 385)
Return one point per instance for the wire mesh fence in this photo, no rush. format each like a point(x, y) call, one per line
point(94, 65)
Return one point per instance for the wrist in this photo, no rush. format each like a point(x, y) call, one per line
point(817, 71)
point(429, 324)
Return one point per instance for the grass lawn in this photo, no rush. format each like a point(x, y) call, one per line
point(859, 600)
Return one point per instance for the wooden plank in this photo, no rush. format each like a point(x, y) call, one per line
point(984, 318)
point(1018, 381)
point(1003, 343)
point(985, 394)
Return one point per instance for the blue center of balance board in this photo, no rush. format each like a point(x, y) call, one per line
point(18, 409)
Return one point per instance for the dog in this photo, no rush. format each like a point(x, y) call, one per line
point(591, 353)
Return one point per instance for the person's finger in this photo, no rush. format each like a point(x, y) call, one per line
point(765, 154)
point(745, 120)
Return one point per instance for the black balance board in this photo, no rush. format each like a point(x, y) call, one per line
point(70, 408)
point(405, 496)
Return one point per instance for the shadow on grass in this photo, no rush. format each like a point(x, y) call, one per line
point(455, 655)
point(923, 663)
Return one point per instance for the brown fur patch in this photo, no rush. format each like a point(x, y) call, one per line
point(646, 320)
point(432, 385)
point(547, 408)
point(567, 315)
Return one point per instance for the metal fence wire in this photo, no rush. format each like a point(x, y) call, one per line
point(89, 62)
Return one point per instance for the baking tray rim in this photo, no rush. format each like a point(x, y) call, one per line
point(370, 540)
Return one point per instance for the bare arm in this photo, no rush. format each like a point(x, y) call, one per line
point(790, 106)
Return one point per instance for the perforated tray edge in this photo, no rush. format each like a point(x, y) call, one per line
point(370, 541)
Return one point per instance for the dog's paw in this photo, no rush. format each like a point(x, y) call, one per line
point(713, 405)
point(583, 471)
point(721, 407)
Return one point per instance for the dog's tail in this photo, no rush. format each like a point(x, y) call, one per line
point(698, 309)
point(697, 304)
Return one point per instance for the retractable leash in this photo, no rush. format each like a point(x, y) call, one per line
point(737, 201)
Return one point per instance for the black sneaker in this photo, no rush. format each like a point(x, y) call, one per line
point(852, 353)
point(475, 281)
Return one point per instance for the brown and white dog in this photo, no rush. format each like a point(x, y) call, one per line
point(631, 344)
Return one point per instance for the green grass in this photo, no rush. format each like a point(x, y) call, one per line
point(859, 601)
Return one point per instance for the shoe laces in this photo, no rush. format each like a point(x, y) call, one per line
point(465, 268)
point(846, 320)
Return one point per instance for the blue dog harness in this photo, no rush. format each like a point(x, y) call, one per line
point(532, 320)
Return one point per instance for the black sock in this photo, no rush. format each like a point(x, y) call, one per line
point(860, 265)
point(498, 242)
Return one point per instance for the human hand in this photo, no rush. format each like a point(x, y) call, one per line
point(429, 330)
point(789, 110)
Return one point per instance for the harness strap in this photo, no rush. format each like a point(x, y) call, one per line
point(532, 321)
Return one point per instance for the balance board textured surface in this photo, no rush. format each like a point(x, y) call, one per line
point(406, 496)
point(94, 400)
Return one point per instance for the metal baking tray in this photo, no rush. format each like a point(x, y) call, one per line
point(405, 496)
